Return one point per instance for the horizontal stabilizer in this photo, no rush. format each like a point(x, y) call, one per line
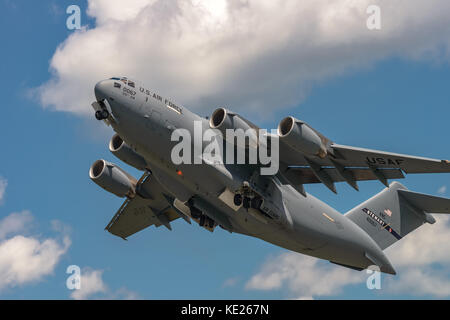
point(395, 212)
point(426, 202)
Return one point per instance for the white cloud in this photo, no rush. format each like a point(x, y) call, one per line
point(15, 223)
point(303, 277)
point(24, 259)
point(442, 190)
point(28, 259)
point(245, 54)
point(421, 282)
point(125, 294)
point(423, 246)
point(107, 11)
point(3, 185)
point(421, 260)
point(91, 284)
point(230, 282)
point(94, 287)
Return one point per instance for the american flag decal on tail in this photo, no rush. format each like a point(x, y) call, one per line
point(382, 223)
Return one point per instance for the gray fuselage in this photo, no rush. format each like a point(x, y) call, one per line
point(304, 224)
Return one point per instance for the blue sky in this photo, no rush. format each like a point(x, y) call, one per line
point(391, 102)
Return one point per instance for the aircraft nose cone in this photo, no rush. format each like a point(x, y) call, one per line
point(101, 90)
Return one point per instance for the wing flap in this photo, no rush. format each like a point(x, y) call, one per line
point(305, 175)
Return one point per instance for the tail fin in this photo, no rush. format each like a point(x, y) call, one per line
point(394, 212)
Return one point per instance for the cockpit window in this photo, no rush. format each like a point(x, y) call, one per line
point(125, 80)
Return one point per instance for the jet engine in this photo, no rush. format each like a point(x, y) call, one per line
point(124, 152)
point(301, 137)
point(222, 119)
point(113, 179)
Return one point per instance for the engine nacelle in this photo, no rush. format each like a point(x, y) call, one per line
point(300, 137)
point(222, 119)
point(124, 152)
point(113, 179)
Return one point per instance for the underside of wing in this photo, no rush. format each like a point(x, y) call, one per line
point(381, 159)
point(351, 164)
point(305, 175)
point(149, 208)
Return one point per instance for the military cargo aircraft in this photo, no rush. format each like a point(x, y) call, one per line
point(238, 197)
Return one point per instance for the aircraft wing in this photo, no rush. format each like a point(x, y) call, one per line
point(351, 164)
point(382, 159)
point(152, 207)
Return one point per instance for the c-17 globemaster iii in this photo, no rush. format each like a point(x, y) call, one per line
point(238, 195)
